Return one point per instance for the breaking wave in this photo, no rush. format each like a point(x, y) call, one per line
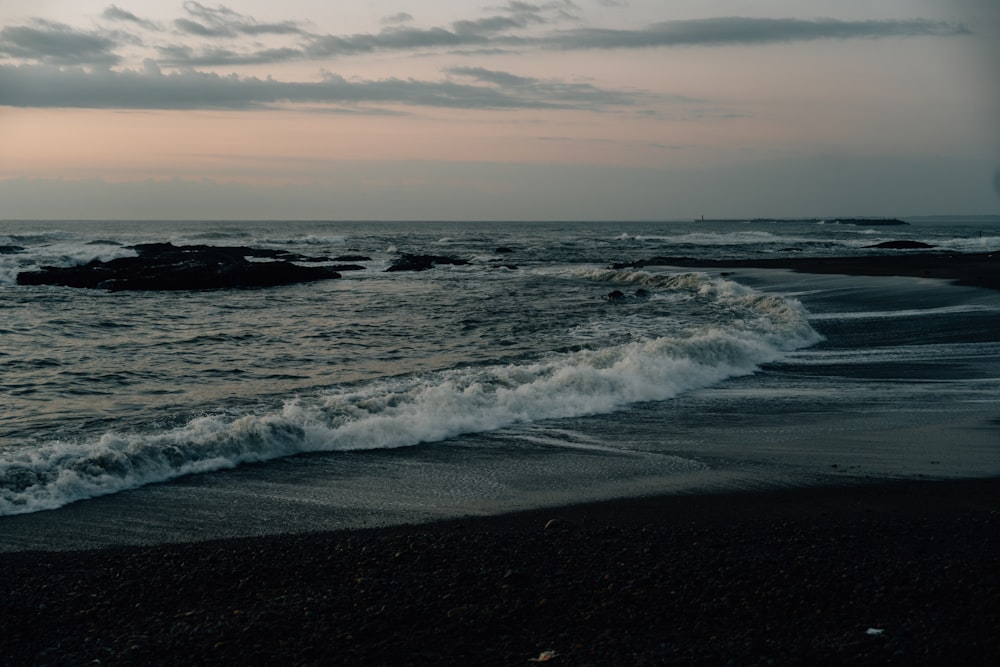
point(423, 408)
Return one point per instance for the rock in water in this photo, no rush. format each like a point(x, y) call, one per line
point(407, 262)
point(166, 267)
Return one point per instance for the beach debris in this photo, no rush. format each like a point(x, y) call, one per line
point(544, 656)
point(874, 632)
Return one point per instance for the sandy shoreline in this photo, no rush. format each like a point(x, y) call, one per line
point(896, 572)
point(969, 269)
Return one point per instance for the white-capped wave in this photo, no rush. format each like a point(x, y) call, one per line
point(409, 410)
point(57, 254)
point(970, 243)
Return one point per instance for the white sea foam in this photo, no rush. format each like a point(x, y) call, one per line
point(308, 239)
point(408, 410)
point(65, 253)
point(904, 312)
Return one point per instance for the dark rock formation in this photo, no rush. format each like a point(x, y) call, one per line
point(407, 262)
point(617, 296)
point(164, 266)
point(901, 245)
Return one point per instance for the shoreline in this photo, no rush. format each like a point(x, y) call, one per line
point(898, 572)
point(966, 269)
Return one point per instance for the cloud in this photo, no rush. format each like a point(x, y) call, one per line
point(396, 19)
point(727, 31)
point(217, 36)
point(116, 13)
point(221, 21)
point(512, 26)
point(516, 15)
point(577, 95)
point(47, 86)
point(510, 30)
point(58, 44)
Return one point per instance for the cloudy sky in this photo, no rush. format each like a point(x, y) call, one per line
point(499, 109)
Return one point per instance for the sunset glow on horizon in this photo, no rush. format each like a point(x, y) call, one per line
point(564, 109)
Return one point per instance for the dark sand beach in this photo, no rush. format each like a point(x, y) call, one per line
point(892, 572)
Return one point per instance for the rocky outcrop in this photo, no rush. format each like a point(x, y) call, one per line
point(617, 296)
point(166, 267)
point(407, 262)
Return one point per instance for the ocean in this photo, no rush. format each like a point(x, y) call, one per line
point(508, 383)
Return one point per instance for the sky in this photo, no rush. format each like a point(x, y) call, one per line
point(499, 109)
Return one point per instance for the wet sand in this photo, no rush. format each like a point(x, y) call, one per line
point(971, 269)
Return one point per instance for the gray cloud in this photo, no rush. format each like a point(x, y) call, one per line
point(743, 31)
point(57, 44)
point(506, 32)
point(513, 26)
point(221, 21)
point(508, 28)
point(201, 30)
point(324, 46)
point(495, 32)
point(579, 95)
point(396, 19)
point(116, 13)
point(516, 14)
point(46, 86)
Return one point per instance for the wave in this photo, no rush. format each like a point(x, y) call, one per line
point(723, 238)
point(907, 312)
point(307, 239)
point(424, 408)
point(969, 243)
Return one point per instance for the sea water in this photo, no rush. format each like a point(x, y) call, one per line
point(510, 382)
